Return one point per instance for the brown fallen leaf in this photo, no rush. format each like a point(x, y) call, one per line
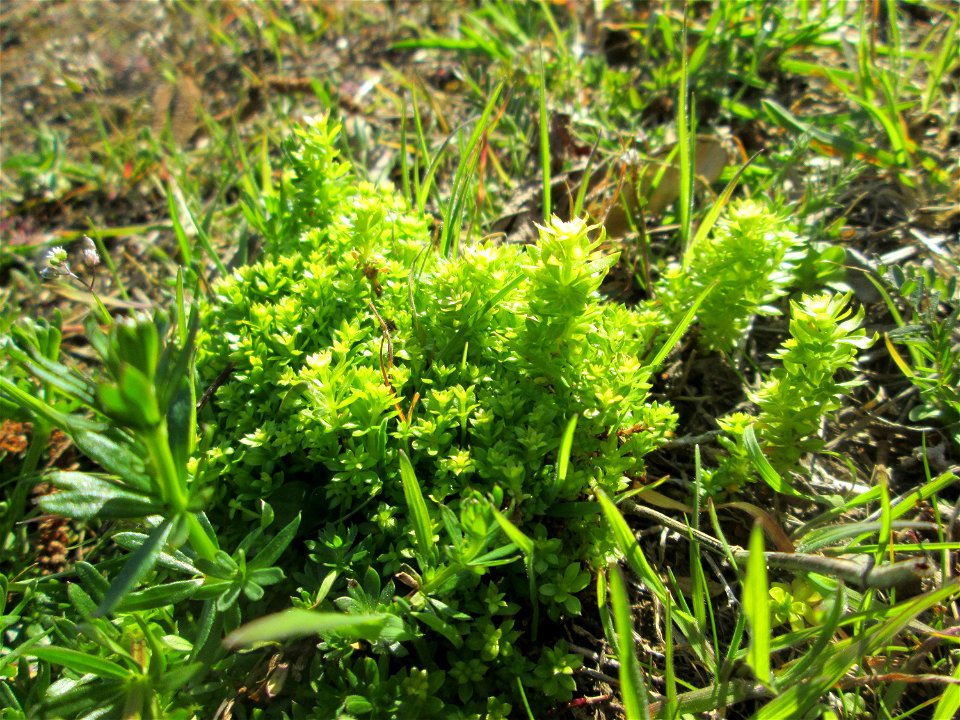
point(658, 180)
point(180, 105)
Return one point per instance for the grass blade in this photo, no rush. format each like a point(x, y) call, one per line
point(79, 661)
point(544, 142)
point(453, 217)
point(632, 689)
point(770, 476)
point(756, 605)
point(685, 134)
point(680, 329)
point(141, 561)
point(296, 623)
point(422, 527)
point(797, 700)
point(563, 455)
point(714, 213)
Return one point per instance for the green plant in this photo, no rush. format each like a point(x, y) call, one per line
point(46, 173)
point(427, 445)
point(930, 337)
point(797, 604)
point(748, 259)
point(825, 337)
point(359, 350)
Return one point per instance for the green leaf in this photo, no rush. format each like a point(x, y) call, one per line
point(797, 670)
point(91, 578)
point(175, 560)
point(837, 660)
point(79, 661)
point(265, 576)
point(514, 533)
point(300, 623)
point(160, 595)
point(357, 705)
point(85, 496)
point(115, 455)
point(422, 527)
point(177, 677)
point(82, 602)
point(633, 691)
point(136, 344)
point(182, 426)
point(228, 597)
point(291, 396)
point(630, 548)
point(680, 329)
point(756, 605)
point(441, 626)
point(274, 549)
point(770, 476)
point(68, 423)
point(141, 561)
point(949, 702)
point(566, 446)
point(132, 401)
point(713, 214)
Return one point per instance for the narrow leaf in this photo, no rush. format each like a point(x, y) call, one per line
point(770, 476)
point(160, 595)
point(756, 605)
point(836, 661)
point(274, 549)
point(300, 623)
point(633, 691)
point(422, 527)
point(141, 561)
point(566, 445)
point(85, 496)
point(514, 533)
point(79, 661)
point(628, 545)
point(680, 329)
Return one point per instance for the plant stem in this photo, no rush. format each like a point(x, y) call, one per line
point(165, 471)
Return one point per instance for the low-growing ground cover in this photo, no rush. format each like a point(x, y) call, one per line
point(561, 361)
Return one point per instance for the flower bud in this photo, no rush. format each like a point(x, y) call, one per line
point(88, 252)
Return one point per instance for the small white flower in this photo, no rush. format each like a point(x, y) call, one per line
point(56, 257)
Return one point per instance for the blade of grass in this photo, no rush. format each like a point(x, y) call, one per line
point(796, 672)
point(949, 703)
point(685, 133)
point(669, 711)
point(563, 454)
point(404, 170)
point(756, 606)
point(544, 142)
point(453, 217)
point(632, 690)
point(797, 700)
point(680, 329)
point(767, 472)
point(80, 662)
point(710, 219)
point(296, 623)
point(630, 548)
point(175, 205)
point(528, 548)
point(422, 527)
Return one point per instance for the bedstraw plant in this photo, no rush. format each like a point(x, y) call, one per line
point(402, 397)
point(439, 440)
